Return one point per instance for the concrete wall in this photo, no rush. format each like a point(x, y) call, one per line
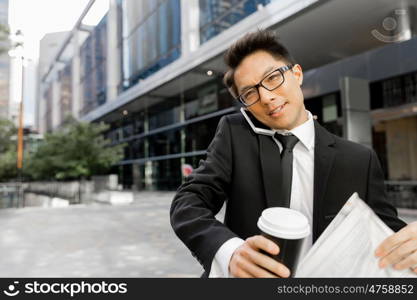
point(74, 191)
point(57, 194)
point(356, 110)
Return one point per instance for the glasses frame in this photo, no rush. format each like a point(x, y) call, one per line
point(282, 70)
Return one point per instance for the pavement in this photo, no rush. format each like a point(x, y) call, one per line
point(99, 240)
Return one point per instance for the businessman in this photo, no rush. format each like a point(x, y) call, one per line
point(273, 153)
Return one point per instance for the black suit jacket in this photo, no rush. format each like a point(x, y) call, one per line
point(242, 168)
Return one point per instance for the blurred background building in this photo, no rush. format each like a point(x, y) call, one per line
point(4, 62)
point(153, 71)
point(49, 46)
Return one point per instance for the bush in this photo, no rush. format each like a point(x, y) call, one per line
point(77, 150)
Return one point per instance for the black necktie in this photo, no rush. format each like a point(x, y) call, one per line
point(288, 142)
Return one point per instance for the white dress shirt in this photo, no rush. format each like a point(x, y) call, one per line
point(301, 193)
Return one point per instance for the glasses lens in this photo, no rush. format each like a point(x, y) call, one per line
point(250, 96)
point(274, 80)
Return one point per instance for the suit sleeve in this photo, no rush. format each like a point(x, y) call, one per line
point(377, 197)
point(201, 197)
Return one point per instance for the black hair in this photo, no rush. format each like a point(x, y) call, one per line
point(251, 42)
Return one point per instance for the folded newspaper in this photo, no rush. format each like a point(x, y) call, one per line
point(346, 247)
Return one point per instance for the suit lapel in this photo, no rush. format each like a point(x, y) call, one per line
point(271, 166)
point(324, 153)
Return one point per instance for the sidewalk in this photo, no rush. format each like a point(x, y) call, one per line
point(99, 240)
point(94, 241)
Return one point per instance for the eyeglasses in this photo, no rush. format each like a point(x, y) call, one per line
point(270, 82)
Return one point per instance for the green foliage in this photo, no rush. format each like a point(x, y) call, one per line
point(7, 131)
point(4, 36)
point(77, 150)
point(8, 165)
point(8, 143)
point(5, 43)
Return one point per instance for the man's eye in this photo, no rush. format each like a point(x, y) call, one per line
point(249, 93)
point(273, 77)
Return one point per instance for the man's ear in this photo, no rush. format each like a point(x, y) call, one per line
point(298, 73)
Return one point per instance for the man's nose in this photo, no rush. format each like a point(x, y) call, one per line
point(265, 96)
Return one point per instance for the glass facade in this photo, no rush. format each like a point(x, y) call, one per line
point(47, 95)
point(176, 131)
point(394, 91)
point(119, 4)
point(165, 113)
point(200, 134)
point(328, 111)
point(151, 37)
point(166, 174)
point(394, 131)
point(390, 93)
point(219, 15)
point(159, 138)
point(93, 68)
point(168, 128)
point(165, 143)
point(205, 102)
point(65, 78)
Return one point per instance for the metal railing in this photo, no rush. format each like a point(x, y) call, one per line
point(75, 192)
point(402, 194)
point(9, 195)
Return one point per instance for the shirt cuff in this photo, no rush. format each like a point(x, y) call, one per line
point(220, 264)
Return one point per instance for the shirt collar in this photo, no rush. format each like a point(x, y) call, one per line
point(304, 132)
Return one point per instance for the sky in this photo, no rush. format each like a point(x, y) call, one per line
point(35, 18)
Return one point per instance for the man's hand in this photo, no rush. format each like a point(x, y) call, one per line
point(248, 262)
point(399, 249)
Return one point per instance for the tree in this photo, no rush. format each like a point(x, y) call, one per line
point(8, 166)
point(7, 131)
point(4, 37)
point(77, 150)
point(5, 43)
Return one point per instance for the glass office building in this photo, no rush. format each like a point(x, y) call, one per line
point(65, 104)
point(4, 63)
point(151, 37)
point(166, 67)
point(47, 96)
point(219, 15)
point(167, 135)
point(93, 68)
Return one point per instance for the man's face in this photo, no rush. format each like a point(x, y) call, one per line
point(282, 108)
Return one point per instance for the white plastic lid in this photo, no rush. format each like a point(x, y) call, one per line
point(284, 223)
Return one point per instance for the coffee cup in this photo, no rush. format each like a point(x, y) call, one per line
point(287, 228)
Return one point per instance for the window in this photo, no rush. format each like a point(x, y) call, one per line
point(328, 111)
point(394, 91)
point(152, 37)
point(199, 135)
point(93, 68)
point(65, 77)
point(219, 15)
point(165, 143)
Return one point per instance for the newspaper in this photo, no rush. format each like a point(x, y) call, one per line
point(346, 247)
